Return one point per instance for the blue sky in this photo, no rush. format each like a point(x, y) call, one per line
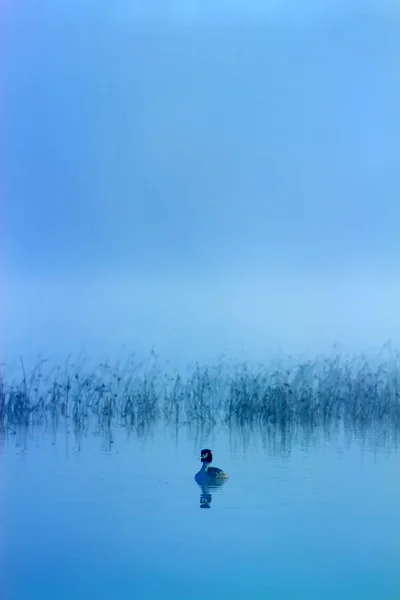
point(200, 176)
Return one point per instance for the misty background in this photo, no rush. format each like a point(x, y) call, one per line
point(200, 178)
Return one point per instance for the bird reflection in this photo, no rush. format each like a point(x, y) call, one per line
point(206, 489)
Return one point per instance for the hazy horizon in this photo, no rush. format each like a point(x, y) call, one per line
point(200, 178)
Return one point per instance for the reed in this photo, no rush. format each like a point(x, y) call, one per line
point(137, 395)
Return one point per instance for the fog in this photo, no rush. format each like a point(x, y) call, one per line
point(200, 179)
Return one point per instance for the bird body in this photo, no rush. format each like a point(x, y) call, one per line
point(206, 472)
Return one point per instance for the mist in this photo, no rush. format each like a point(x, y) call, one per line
point(200, 179)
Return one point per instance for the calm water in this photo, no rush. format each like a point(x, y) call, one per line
point(88, 519)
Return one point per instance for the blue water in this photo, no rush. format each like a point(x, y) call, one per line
point(84, 518)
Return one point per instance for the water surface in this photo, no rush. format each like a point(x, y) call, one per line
point(119, 516)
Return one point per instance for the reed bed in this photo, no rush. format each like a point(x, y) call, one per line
point(137, 395)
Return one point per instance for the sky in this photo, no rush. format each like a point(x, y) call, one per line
point(199, 177)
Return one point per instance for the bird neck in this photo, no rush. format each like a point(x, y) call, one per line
point(204, 466)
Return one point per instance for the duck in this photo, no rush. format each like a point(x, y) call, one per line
point(207, 473)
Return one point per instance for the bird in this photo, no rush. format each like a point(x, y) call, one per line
point(207, 473)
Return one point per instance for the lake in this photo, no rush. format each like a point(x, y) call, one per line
point(117, 514)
